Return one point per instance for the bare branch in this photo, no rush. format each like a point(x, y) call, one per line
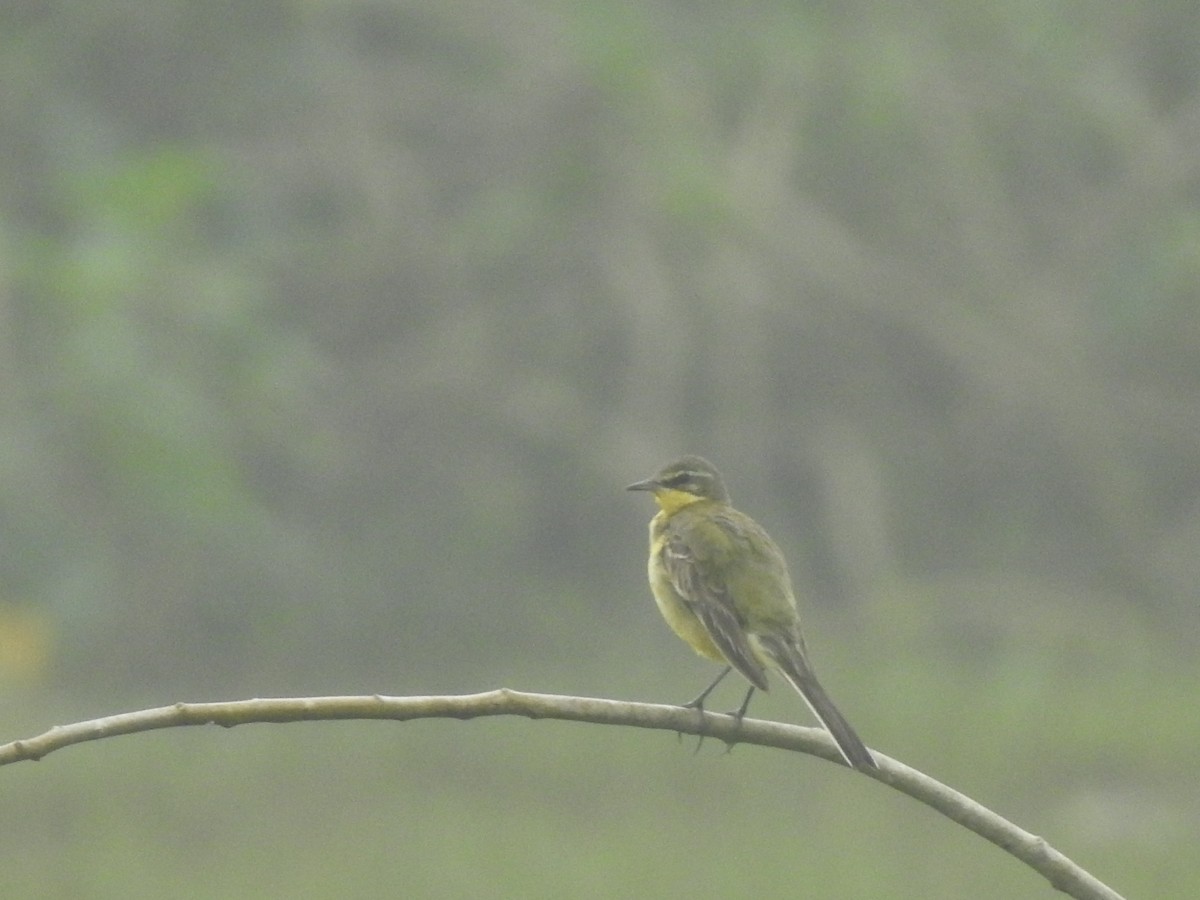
point(1060, 871)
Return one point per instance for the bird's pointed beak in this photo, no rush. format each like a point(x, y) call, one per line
point(648, 485)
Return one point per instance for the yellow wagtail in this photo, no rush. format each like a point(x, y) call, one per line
point(723, 586)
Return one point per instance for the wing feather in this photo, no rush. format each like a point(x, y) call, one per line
point(696, 579)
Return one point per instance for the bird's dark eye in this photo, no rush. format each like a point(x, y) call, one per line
point(677, 480)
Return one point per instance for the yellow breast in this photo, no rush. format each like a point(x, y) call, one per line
point(681, 619)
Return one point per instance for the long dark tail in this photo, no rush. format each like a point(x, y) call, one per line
point(794, 667)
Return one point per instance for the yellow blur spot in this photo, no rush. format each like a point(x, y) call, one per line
point(26, 642)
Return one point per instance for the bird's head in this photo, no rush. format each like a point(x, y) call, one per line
point(684, 482)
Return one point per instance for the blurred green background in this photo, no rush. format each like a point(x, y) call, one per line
point(330, 333)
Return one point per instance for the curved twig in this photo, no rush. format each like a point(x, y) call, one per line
point(1032, 850)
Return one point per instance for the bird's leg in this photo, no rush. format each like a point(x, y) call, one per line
point(698, 702)
point(739, 714)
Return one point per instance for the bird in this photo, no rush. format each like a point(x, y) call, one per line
point(723, 586)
